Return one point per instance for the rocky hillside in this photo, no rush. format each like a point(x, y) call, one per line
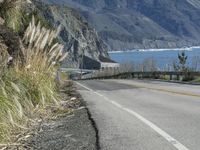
point(77, 36)
point(129, 24)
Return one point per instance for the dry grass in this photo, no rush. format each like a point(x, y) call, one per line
point(30, 85)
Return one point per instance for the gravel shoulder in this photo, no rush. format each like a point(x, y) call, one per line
point(71, 132)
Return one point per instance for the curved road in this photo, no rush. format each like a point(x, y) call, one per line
point(144, 115)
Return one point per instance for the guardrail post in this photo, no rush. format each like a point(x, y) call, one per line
point(178, 77)
point(133, 75)
point(154, 75)
point(171, 77)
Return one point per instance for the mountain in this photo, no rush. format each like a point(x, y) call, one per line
point(132, 24)
point(76, 35)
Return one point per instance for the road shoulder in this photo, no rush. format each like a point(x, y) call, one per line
point(68, 130)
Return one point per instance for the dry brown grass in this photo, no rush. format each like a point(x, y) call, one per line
point(32, 85)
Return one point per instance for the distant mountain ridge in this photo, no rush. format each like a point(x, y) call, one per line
point(133, 24)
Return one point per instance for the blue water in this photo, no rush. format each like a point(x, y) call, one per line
point(163, 59)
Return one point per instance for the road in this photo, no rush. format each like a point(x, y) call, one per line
point(144, 115)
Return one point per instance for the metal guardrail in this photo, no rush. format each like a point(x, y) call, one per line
point(74, 70)
point(154, 75)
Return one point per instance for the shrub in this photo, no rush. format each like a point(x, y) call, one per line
point(29, 84)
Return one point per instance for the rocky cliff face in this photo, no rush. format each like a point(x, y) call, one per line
point(77, 36)
point(129, 24)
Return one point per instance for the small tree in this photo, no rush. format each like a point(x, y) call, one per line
point(182, 61)
point(181, 64)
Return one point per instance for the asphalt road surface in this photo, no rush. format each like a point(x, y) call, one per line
point(144, 115)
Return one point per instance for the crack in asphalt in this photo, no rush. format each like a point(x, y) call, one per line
point(98, 147)
point(93, 123)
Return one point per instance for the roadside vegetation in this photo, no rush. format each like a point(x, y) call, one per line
point(180, 70)
point(27, 83)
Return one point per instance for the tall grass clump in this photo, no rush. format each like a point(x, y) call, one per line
point(12, 100)
point(41, 59)
point(30, 82)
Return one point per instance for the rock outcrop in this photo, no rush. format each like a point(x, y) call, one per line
point(77, 36)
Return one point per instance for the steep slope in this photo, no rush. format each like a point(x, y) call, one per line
point(128, 24)
point(77, 36)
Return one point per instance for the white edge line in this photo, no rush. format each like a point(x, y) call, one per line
point(83, 86)
point(161, 132)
